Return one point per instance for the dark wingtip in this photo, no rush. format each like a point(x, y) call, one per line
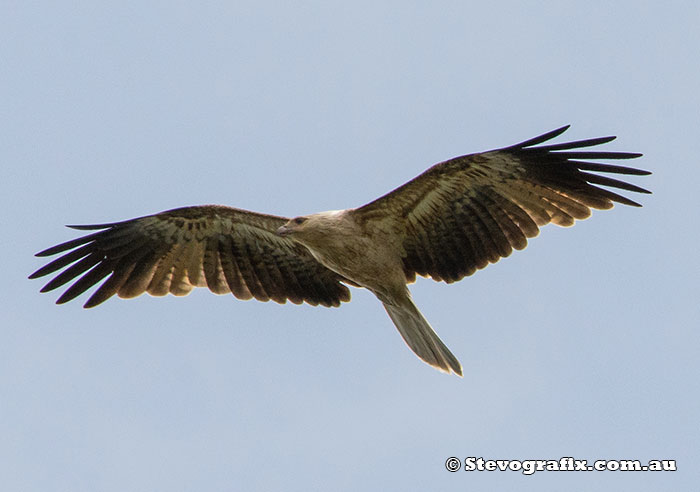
point(47, 252)
point(559, 131)
point(68, 295)
point(89, 227)
point(96, 299)
point(542, 138)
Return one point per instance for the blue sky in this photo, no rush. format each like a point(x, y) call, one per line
point(584, 345)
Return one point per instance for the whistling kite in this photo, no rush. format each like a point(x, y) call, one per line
point(455, 218)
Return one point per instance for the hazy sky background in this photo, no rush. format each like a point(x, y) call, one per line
point(584, 345)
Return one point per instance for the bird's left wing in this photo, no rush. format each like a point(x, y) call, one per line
point(464, 213)
point(222, 248)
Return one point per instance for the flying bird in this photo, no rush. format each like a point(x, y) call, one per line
point(447, 223)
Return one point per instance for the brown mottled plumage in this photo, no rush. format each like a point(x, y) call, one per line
point(455, 218)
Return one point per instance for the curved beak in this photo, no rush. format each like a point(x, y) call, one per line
point(284, 231)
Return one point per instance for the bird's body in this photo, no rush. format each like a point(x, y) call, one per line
point(369, 256)
point(455, 218)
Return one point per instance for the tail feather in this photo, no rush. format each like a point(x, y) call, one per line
point(420, 336)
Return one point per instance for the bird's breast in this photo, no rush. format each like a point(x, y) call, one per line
point(364, 260)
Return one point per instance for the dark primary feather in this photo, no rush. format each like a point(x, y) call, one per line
point(222, 248)
point(464, 213)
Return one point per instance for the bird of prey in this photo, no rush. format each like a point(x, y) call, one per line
point(447, 223)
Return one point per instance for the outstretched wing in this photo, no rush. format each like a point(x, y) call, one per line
point(462, 214)
point(222, 248)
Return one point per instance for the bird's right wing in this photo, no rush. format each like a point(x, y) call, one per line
point(222, 248)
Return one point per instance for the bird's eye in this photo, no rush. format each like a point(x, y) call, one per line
point(299, 220)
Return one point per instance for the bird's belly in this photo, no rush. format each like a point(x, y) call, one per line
point(366, 265)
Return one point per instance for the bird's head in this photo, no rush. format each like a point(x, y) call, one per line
point(313, 229)
point(292, 226)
